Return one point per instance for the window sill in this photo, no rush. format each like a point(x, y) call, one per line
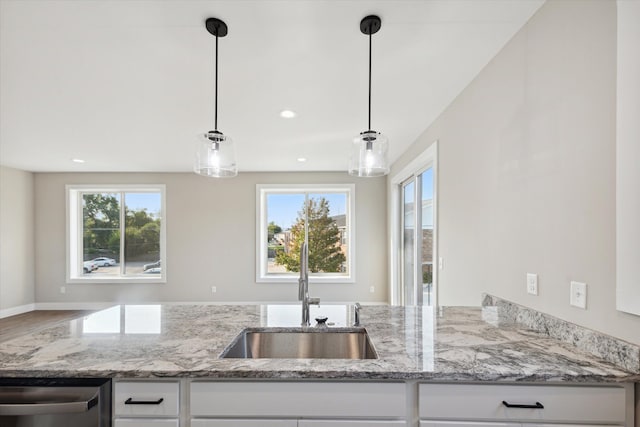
point(313, 279)
point(116, 280)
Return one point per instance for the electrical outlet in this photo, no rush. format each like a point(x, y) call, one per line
point(532, 284)
point(214, 289)
point(440, 263)
point(63, 290)
point(578, 295)
point(372, 289)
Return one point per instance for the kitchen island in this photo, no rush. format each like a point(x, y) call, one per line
point(418, 347)
point(451, 344)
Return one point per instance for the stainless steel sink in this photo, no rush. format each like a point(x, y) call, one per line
point(298, 343)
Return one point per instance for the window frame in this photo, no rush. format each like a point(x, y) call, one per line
point(262, 190)
point(74, 232)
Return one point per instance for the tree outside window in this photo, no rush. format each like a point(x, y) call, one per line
point(325, 243)
point(286, 213)
point(116, 233)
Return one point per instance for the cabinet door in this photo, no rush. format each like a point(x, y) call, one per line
point(146, 398)
point(547, 403)
point(229, 399)
point(571, 425)
point(145, 423)
point(350, 423)
point(466, 424)
point(243, 423)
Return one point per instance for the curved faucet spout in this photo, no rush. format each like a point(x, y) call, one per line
point(303, 285)
point(303, 281)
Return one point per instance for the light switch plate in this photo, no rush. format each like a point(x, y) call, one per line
point(578, 295)
point(532, 284)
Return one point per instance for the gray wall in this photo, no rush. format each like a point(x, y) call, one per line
point(16, 238)
point(211, 240)
point(527, 171)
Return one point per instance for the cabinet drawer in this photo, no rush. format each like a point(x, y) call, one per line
point(604, 405)
point(163, 392)
point(467, 424)
point(145, 423)
point(350, 423)
point(297, 399)
point(244, 423)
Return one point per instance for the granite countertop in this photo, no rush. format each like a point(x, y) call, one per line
point(450, 344)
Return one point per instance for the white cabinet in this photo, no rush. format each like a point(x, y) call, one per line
point(227, 422)
point(348, 404)
point(272, 403)
point(464, 424)
point(350, 423)
point(297, 399)
point(508, 405)
point(146, 403)
point(123, 422)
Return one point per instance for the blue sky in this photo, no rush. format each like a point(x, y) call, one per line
point(427, 184)
point(283, 208)
point(139, 201)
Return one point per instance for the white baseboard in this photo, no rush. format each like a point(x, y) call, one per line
point(73, 305)
point(6, 312)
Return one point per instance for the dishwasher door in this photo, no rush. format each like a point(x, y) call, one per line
point(55, 405)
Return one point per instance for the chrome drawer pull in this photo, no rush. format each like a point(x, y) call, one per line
point(130, 401)
point(538, 405)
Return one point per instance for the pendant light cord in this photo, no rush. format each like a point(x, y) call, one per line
point(370, 27)
point(216, 102)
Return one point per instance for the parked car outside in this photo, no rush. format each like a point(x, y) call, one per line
point(153, 270)
point(151, 265)
point(89, 266)
point(104, 261)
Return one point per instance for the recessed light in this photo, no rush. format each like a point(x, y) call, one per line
point(287, 114)
point(77, 160)
point(302, 159)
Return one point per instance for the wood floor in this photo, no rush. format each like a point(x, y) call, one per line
point(14, 326)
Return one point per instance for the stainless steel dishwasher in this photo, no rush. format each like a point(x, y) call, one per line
point(38, 402)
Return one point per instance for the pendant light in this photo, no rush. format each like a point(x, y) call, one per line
point(216, 155)
point(369, 149)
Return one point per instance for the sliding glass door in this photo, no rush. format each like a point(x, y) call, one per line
point(417, 239)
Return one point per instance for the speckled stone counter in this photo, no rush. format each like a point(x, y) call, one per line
point(450, 344)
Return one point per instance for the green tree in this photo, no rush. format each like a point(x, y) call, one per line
point(142, 234)
point(325, 254)
point(272, 230)
point(101, 216)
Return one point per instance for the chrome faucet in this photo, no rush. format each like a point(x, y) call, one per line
point(303, 285)
point(356, 314)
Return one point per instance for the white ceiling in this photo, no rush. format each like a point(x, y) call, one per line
point(127, 85)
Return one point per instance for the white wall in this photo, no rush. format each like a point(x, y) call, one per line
point(527, 170)
point(211, 240)
point(628, 158)
point(16, 241)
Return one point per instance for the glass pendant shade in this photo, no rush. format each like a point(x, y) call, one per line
point(369, 155)
point(215, 156)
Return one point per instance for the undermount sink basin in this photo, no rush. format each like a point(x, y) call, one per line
point(298, 343)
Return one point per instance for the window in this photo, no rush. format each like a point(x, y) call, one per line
point(116, 234)
point(287, 213)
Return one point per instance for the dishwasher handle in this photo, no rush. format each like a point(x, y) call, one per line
point(49, 408)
